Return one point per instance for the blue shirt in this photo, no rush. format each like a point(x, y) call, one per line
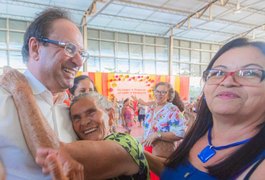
point(185, 171)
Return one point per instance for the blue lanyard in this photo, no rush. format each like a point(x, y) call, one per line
point(209, 151)
point(226, 146)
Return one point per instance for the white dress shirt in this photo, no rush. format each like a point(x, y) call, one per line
point(16, 157)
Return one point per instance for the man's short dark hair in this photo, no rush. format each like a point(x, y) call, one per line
point(41, 27)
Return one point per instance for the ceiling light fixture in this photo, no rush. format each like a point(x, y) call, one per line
point(238, 7)
point(210, 13)
point(254, 34)
point(223, 2)
point(189, 26)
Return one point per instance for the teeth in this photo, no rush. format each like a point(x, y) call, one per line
point(69, 71)
point(90, 130)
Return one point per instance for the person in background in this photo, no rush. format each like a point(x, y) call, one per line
point(82, 84)
point(127, 115)
point(164, 124)
point(227, 138)
point(53, 53)
point(141, 114)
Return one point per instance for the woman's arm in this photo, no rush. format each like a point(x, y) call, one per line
point(155, 163)
point(35, 128)
point(142, 102)
point(102, 163)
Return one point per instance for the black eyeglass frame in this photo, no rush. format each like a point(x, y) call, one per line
point(63, 45)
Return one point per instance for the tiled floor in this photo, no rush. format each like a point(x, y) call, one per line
point(136, 132)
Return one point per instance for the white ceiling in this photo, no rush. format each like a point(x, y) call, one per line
point(217, 24)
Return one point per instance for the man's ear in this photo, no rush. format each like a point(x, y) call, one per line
point(34, 49)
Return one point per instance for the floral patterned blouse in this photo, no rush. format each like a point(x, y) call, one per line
point(135, 149)
point(167, 119)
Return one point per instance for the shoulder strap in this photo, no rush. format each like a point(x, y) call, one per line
point(253, 169)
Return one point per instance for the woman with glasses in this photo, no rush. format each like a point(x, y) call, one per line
point(164, 123)
point(227, 138)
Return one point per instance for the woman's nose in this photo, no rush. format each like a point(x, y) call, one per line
point(85, 121)
point(229, 81)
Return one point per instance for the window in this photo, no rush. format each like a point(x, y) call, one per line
point(93, 47)
point(136, 66)
point(206, 57)
point(136, 51)
point(184, 69)
point(149, 67)
point(122, 66)
point(135, 38)
point(149, 52)
point(17, 25)
point(161, 53)
point(161, 41)
point(107, 49)
point(93, 64)
point(195, 57)
point(16, 40)
point(3, 39)
point(107, 65)
point(184, 55)
point(3, 23)
point(149, 40)
point(15, 60)
point(3, 58)
point(122, 37)
point(122, 50)
point(93, 33)
point(185, 44)
point(107, 35)
point(162, 68)
point(175, 55)
point(175, 68)
point(195, 70)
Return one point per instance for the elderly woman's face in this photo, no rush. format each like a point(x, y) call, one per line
point(161, 94)
point(84, 86)
point(232, 95)
point(87, 119)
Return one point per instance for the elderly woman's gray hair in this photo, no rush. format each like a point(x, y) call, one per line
point(171, 93)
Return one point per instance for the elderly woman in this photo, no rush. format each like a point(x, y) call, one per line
point(116, 155)
point(227, 139)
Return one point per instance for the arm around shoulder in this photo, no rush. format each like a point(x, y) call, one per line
point(112, 160)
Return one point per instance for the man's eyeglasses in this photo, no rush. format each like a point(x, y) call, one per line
point(70, 49)
point(160, 92)
point(247, 77)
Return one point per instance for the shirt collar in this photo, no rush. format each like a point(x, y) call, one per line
point(39, 89)
point(36, 86)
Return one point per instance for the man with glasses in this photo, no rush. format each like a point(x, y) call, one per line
point(53, 52)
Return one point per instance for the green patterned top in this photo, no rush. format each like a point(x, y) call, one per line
point(135, 149)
